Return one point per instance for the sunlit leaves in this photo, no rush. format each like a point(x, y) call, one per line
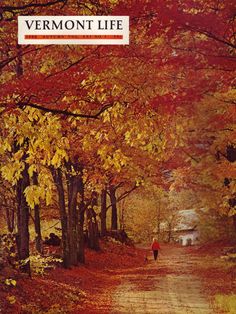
point(112, 159)
point(33, 194)
point(43, 191)
point(10, 282)
point(39, 263)
point(11, 299)
point(59, 156)
point(12, 171)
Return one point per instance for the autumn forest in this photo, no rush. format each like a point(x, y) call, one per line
point(101, 147)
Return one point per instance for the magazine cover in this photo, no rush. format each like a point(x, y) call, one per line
point(117, 156)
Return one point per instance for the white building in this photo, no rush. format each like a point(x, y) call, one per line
point(186, 232)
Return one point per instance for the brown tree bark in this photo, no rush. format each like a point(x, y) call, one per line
point(72, 186)
point(57, 176)
point(37, 226)
point(37, 223)
point(72, 225)
point(93, 234)
point(103, 214)
point(81, 244)
point(10, 218)
point(112, 191)
point(81, 211)
point(22, 237)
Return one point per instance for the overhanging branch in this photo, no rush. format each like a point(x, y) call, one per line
point(124, 195)
point(31, 5)
point(66, 113)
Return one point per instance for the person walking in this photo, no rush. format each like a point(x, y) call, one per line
point(155, 248)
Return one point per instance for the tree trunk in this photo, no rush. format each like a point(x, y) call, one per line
point(103, 214)
point(37, 223)
point(22, 238)
point(72, 225)
point(57, 176)
point(93, 241)
point(81, 244)
point(72, 185)
point(10, 218)
point(122, 215)
point(23, 222)
point(114, 225)
point(81, 209)
point(37, 226)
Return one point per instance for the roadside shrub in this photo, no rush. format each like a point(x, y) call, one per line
point(40, 263)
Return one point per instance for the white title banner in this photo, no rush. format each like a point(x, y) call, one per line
point(74, 30)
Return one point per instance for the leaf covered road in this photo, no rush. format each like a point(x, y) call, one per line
point(165, 286)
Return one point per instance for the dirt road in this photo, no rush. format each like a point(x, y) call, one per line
point(163, 286)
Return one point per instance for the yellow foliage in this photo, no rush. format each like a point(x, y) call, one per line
point(43, 191)
point(18, 155)
point(7, 146)
point(31, 170)
point(106, 116)
point(58, 157)
point(232, 211)
point(11, 299)
point(139, 182)
point(110, 159)
point(10, 282)
point(11, 171)
point(33, 194)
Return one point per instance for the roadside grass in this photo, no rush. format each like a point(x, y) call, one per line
point(226, 303)
point(209, 262)
point(218, 273)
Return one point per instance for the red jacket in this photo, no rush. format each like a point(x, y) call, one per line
point(155, 246)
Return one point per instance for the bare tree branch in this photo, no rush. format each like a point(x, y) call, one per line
point(66, 113)
point(30, 5)
point(124, 195)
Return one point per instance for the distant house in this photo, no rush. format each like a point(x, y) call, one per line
point(180, 227)
point(186, 232)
